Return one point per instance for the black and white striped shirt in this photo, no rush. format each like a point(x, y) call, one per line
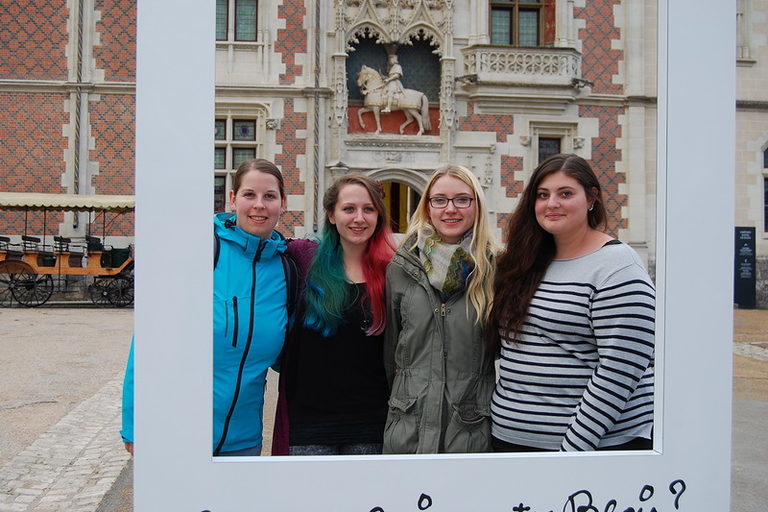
point(580, 373)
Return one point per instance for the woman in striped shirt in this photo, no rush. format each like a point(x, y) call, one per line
point(575, 312)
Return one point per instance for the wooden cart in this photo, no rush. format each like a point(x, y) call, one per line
point(28, 265)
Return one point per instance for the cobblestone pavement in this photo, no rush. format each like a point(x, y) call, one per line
point(76, 462)
point(60, 406)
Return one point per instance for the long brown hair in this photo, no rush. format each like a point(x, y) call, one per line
point(529, 249)
point(326, 295)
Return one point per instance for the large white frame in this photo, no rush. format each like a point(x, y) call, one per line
point(173, 467)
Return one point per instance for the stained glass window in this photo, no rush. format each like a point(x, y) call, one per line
point(220, 158)
point(548, 146)
point(240, 155)
point(220, 129)
point(222, 12)
point(244, 130)
point(219, 194)
point(529, 28)
point(245, 20)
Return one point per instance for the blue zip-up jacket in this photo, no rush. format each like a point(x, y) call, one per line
point(249, 326)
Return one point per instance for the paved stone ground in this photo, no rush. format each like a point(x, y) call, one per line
point(59, 452)
point(60, 389)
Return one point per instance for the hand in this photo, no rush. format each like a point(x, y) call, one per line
point(129, 448)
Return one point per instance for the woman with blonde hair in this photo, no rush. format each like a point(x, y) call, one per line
point(436, 352)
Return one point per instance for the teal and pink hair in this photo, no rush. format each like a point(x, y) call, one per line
point(327, 294)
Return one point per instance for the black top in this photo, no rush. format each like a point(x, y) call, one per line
point(337, 389)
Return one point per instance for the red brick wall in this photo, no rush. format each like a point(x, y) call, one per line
point(600, 62)
point(292, 146)
point(33, 37)
point(32, 155)
point(503, 125)
point(390, 123)
point(603, 159)
point(113, 119)
point(32, 149)
point(116, 54)
point(292, 39)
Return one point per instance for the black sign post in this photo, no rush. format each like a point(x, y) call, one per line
point(744, 269)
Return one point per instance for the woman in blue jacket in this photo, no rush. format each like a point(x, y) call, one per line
point(250, 312)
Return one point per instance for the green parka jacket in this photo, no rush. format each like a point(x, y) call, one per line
point(439, 368)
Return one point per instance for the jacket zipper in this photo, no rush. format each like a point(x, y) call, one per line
point(247, 347)
point(235, 316)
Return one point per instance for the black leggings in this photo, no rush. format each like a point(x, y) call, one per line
point(638, 443)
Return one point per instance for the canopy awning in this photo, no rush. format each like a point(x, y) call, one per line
point(66, 202)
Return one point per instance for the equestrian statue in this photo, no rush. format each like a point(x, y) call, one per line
point(388, 92)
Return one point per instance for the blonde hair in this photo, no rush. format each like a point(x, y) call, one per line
point(482, 246)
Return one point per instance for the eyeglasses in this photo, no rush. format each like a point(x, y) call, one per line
point(442, 202)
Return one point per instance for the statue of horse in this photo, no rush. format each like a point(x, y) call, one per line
point(413, 103)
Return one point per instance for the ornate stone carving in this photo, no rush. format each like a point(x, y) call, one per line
point(339, 90)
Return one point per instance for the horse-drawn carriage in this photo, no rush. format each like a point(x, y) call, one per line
point(28, 264)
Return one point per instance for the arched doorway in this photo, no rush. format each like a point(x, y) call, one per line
point(400, 200)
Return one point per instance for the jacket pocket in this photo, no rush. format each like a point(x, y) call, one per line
point(235, 321)
point(469, 430)
point(401, 432)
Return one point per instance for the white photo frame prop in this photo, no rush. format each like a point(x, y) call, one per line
point(690, 468)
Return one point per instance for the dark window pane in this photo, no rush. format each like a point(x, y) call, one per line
point(240, 155)
point(765, 204)
point(220, 158)
point(372, 55)
point(529, 28)
point(219, 194)
point(548, 147)
point(221, 19)
point(220, 129)
point(421, 68)
point(245, 20)
point(765, 158)
point(244, 130)
point(501, 25)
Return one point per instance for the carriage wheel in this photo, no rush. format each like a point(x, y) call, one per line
point(99, 291)
point(31, 289)
point(120, 291)
point(6, 287)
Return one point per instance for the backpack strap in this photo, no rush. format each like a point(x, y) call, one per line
point(216, 248)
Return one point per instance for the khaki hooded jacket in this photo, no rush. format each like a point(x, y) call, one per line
point(437, 361)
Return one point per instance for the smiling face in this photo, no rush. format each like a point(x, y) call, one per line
point(257, 203)
point(562, 205)
point(354, 215)
point(450, 222)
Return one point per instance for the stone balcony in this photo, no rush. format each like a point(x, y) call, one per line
point(511, 79)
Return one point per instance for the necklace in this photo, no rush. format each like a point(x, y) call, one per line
point(358, 301)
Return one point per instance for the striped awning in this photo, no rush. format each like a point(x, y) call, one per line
point(66, 202)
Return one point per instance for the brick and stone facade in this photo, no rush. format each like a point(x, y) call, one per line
point(67, 102)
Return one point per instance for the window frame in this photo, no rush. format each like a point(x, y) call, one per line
point(258, 116)
point(232, 34)
point(514, 7)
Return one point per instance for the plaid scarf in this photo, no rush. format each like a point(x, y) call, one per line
point(447, 265)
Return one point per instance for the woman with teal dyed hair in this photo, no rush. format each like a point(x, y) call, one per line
point(333, 390)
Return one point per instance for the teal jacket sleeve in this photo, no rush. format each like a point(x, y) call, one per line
point(127, 431)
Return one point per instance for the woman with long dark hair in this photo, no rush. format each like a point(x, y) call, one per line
point(574, 308)
point(333, 394)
